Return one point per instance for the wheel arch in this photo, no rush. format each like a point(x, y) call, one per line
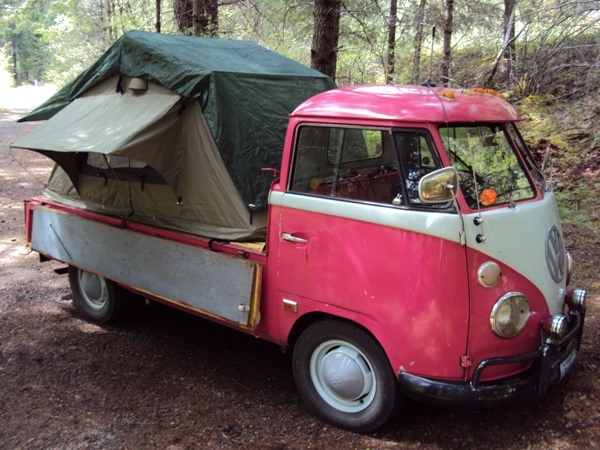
point(308, 319)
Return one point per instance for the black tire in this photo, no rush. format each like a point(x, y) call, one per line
point(95, 297)
point(344, 376)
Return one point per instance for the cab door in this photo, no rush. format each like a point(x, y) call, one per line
point(355, 241)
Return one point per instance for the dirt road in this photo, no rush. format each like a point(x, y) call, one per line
point(161, 379)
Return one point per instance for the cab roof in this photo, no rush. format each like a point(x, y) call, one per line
point(405, 103)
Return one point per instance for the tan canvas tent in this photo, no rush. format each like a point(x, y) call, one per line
point(141, 168)
point(184, 147)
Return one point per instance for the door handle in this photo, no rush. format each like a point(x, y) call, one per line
point(291, 238)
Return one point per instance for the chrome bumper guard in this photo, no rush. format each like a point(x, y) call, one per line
point(551, 362)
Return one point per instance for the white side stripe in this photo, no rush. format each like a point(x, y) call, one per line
point(444, 225)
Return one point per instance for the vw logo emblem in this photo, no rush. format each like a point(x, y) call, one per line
point(555, 254)
point(336, 381)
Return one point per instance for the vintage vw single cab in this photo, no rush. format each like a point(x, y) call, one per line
point(410, 245)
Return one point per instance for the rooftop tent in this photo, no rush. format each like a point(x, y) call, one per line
point(213, 115)
point(146, 156)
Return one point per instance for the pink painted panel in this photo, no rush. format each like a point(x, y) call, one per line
point(409, 289)
point(483, 342)
point(405, 103)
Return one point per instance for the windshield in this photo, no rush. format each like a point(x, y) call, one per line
point(489, 169)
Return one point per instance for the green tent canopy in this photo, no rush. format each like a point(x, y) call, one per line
point(236, 95)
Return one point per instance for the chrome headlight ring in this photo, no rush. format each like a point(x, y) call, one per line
point(510, 315)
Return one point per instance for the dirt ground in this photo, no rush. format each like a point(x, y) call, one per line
point(162, 379)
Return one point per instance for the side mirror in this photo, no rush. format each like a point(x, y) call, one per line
point(440, 186)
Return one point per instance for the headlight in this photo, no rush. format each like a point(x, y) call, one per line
point(509, 315)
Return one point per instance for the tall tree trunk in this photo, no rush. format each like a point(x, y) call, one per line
point(391, 59)
point(508, 47)
point(158, 14)
point(323, 53)
point(15, 72)
point(510, 7)
point(109, 8)
point(205, 17)
point(198, 17)
point(182, 9)
point(416, 72)
point(447, 49)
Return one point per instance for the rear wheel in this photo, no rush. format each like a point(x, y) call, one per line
point(95, 296)
point(344, 376)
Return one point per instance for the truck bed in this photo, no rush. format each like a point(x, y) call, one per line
point(210, 277)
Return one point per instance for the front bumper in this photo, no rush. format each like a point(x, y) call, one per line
point(551, 362)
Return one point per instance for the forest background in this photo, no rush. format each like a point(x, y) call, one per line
point(519, 46)
point(543, 55)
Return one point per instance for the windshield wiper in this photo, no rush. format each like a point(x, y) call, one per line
point(478, 177)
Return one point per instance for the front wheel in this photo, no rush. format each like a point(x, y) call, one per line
point(95, 296)
point(344, 376)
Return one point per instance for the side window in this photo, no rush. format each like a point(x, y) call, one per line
point(119, 167)
point(416, 156)
point(99, 161)
point(357, 145)
point(348, 163)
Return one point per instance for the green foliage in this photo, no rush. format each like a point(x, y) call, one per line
point(557, 46)
point(578, 205)
point(570, 131)
point(284, 26)
point(74, 39)
point(363, 31)
point(541, 125)
point(557, 40)
point(82, 30)
point(21, 31)
point(53, 40)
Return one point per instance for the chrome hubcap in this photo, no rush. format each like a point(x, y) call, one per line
point(93, 289)
point(343, 376)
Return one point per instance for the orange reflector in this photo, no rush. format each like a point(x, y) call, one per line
point(488, 197)
point(488, 91)
point(447, 94)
